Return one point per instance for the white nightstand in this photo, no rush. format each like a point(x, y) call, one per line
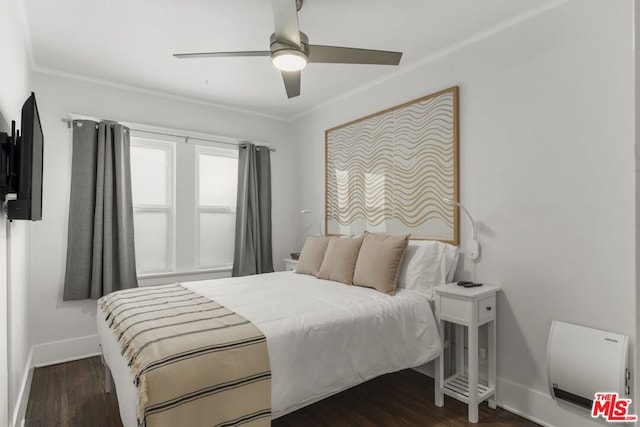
point(290, 264)
point(470, 307)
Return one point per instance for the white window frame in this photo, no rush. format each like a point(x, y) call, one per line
point(170, 207)
point(183, 254)
point(211, 151)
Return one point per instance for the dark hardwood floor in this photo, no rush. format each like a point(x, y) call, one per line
point(71, 395)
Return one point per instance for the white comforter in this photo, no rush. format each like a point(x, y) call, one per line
point(323, 337)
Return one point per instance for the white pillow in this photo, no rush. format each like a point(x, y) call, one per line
point(427, 264)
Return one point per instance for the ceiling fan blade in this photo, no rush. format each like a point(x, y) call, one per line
point(349, 55)
point(285, 16)
point(292, 82)
point(222, 54)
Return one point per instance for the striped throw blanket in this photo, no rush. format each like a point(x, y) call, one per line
point(195, 362)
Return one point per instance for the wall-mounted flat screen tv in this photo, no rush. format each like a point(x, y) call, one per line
point(26, 163)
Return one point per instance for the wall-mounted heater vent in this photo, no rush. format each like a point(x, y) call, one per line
point(583, 361)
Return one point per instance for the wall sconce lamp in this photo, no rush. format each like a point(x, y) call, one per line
point(473, 247)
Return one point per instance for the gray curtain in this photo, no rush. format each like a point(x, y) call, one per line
point(253, 248)
point(100, 251)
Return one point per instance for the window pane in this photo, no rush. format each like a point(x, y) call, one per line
point(149, 175)
point(151, 240)
point(217, 232)
point(218, 180)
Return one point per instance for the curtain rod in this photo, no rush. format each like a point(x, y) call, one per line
point(70, 121)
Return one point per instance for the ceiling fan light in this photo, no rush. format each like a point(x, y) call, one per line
point(289, 60)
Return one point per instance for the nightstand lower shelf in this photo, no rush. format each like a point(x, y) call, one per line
point(457, 386)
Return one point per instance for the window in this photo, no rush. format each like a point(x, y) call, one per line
point(216, 216)
point(184, 201)
point(153, 207)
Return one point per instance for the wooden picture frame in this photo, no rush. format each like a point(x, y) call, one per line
point(388, 172)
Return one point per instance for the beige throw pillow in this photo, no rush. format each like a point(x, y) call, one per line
point(312, 255)
point(379, 262)
point(340, 260)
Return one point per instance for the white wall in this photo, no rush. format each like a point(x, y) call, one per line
point(18, 251)
point(63, 330)
point(15, 343)
point(546, 168)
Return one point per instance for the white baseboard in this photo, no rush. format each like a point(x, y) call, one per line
point(533, 405)
point(55, 352)
point(540, 407)
point(50, 354)
point(20, 409)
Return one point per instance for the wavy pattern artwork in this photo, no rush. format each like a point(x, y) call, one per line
point(389, 171)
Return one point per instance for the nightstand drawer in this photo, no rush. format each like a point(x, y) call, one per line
point(290, 264)
point(454, 309)
point(486, 309)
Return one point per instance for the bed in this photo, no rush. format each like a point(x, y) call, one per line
point(322, 336)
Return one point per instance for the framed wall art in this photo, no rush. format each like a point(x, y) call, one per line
point(388, 172)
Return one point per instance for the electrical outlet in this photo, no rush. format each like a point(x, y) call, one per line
point(483, 361)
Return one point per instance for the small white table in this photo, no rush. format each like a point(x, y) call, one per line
point(470, 308)
point(290, 264)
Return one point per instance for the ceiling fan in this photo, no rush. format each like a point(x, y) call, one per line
point(290, 49)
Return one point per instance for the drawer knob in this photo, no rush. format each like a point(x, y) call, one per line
point(489, 308)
